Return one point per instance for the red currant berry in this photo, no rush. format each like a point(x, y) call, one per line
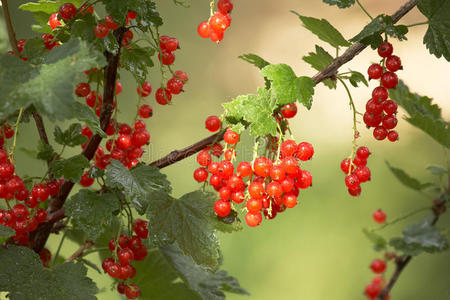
point(222, 208)
point(379, 216)
point(374, 107)
point(363, 152)
point(288, 148)
point(355, 191)
point(182, 76)
point(390, 107)
point(393, 136)
point(256, 190)
point(371, 119)
point(200, 174)
point(345, 165)
point(238, 197)
point(289, 111)
point(204, 158)
point(390, 122)
point(351, 181)
point(167, 57)
point(378, 266)
point(145, 111)
point(254, 205)
point(380, 94)
point(110, 23)
point(244, 169)
point(304, 180)
point(375, 71)
point(385, 49)
point(393, 63)
point(305, 151)
point(145, 90)
point(215, 36)
point(121, 287)
point(262, 166)
point(203, 29)
point(363, 173)
point(132, 291)
point(213, 123)
point(274, 189)
point(101, 31)
point(86, 180)
point(53, 20)
point(163, 97)
point(230, 137)
point(175, 85)
point(253, 219)
point(225, 6)
point(372, 290)
point(125, 256)
point(226, 169)
point(290, 200)
point(277, 173)
point(380, 133)
point(67, 11)
point(218, 22)
point(389, 80)
point(140, 137)
point(124, 141)
point(83, 89)
point(171, 44)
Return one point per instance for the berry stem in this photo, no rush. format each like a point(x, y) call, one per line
point(402, 218)
point(60, 243)
point(211, 5)
point(16, 130)
point(364, 10)
point(10, 28)
point(417, 24)
point(355, 129)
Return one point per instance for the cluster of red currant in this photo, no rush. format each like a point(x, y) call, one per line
point(130, 249)
point(272, 186)
point(356, 170)
point(215, 27)
point(380, 112)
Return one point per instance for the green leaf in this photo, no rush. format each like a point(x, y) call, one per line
point(407, 180)
point(421, 237)
point(324, 30)
point(209, 285)
point(83, 113)
point(5, 233)
point(287, 87)
point(423, 114)
point(71, 137)
point(138, 183)
point(96, 172)
point(373, 28)
point(258, 62)
point(46, 6)
point(34, 50)
point(340, 3)
point(319, 60)
point(158, 280)
point(370, 35)
point(45, 151)
point(437, 170)
point(91, 212)
point(437, 37)
point(71, 169)
point(50, 87)
point(147, 15)
point(189, 222)
point(137, 60)
point(24, 278)
point(355, 78)
point(379, 242)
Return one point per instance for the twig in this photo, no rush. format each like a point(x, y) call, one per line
point(80, 251)
point(10, 28)
point(329, 71)
point(42, 132)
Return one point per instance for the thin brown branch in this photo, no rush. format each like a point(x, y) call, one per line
point(42, 132)
point(80, 251)
point(328, 72)
point(10, 28)
point(41, 235)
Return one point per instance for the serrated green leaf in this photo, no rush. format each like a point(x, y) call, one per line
point(324, 30)
point(44, 151)
point(437, 170)
point(437, 37)
point(379, 242)
point(34, 50)
point(340, 3)
point(24, 278)
point(187, 221)
point(370, 35)
point(421, 237)
point(357, 77)
point(45, 6)
point(91, 212)
point(407, 180)
point(83, 113)
point(209, 285)
point(71, 137)
point(258, 62)
point(371, 29)
point(137, 60)
point(423, 114)
point(138, 183)
point(319, 60)
point(287, 87)
point(5, 233)
point(71, 169)
point(50, 87)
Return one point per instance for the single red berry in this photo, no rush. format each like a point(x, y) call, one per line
point(274, 189)
point(351, 181)
point(290, 200)
point(253, 219)
point(110, 23)
point(101, 31)
point(167, 57)
point(131, 15)
point(230, 154)
point(288, 148)
point(140, 137)
point(132, 291)
point(140, 228)
point(86, 180)
point(389, 80)
point(175, 85)
point(393, 136)
point(304, 180)
point(40, 192)
point(277, 173)
point(289, 111)
point(204, 158)
point(125, 256)
point(380, 133)
point(53, 20)
point(390, 107)
point(356, 191)
point(238, 197)
point(67, 11)
point(118, 87)
point(385, 49)
point(256, 190)
point(378, 266)
point(145, 90)
point(379, 216)
point(371, 119)
point(290, 165)
point(363, 173)
point(124, 141)
point(218, 22)
point(244, 169)
point(305, 151)
point(262, 166)
point(225, 6)
point(375, 71)
point(83, 89)
point(230, 137)
point(374, 107)
point(222, 208)
point(163, 97)
point(393, 63)
point(363, 152)
point(359, 161)
point(215, 36)
point(380, 94)
point(390, 122)
point(171, 44)
point(203, 29)
point(121, 287)
point(213, 123)
point(225, 169)
point(254, 205)
point(345, 165)
point(182, 76)
point(145, 111)
point(41, 215)
point(372, 290)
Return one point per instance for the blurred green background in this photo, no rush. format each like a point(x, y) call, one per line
point(317, 250)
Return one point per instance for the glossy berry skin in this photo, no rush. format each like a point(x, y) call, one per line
point(82, 89)
point(110, 23)
point(218, 22)
point(392, 136)
point(380, 133)
point(222, 208)
point(277, 173)
point(371, 119)
point(378, 266)
point(385, 49)
point(230, 137)
point(262, 166)
point(389, 80)
point(305, 151)
point(140, 137)
point(125, 256)
point(374, 107)
point(244, 169)
point(225, 169)
point(390, 122)
point(380, 94)
point(254, 205)
point(375, 71)
point(163, 97)
point(304, 180)
point(351, 181)
point(355, 191)
point(288, 148)
point(213, 123)
point(67, 11)
point(345, 165)
point(145, 90)
point(290, 200)
point(132, 291)
point(274, 189)
point(372, 290)
point(256, 190)
point(101, 31)
point(379, 216)
point(171, 44)
point(393, 63)
point(225, 6)
point(289, 111)
point(181, 75)
point(121, 287)
point(53, 21)
point(124, 141)
point(203, 29)
point(363, 152)
point(253, 219)
point(167, 57)
point(145, 111)
point(86, 180)
point(215, 36)
point(390, 107)
point(175, 85)
point(363, 173)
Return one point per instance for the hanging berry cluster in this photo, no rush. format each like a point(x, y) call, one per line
point(130, 249)
point(219, 21)
point(381, 112)
point(272, 185)
point(356, 170)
